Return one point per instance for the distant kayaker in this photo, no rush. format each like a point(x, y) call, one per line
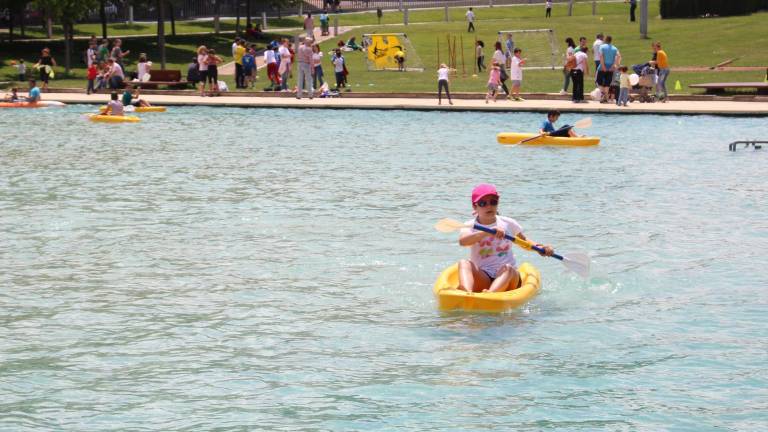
point(492, 266)
point(548, 127)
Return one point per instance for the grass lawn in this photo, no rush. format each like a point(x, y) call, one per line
point(688, 42)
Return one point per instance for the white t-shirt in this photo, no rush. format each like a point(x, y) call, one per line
point(202, 62)
point(549, 4)
point(115, 108)
point(142, 69)
point(117, 70)
point(499, 57)
point(596, 49)
point(442, 74)
point(269, 56)
point(285, 54)
point(338, 64)
point(234, 47)
point(91, 56)
point(317, 58)
point(470, 16)
point(515, 70)
point(490, 253)
point(581, 61)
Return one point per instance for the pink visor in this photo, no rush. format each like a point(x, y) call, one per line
point(482, 190)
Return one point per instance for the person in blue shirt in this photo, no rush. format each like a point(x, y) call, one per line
point(249, 66)
point(548, 126)
point(609, 58)
point(34, 92)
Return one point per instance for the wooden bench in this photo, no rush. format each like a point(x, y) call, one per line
point(166, 77)
point(715, 88)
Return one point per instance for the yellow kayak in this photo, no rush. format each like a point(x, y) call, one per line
point(515, 138)
point(449, 297)
point(141, 109)
point(113, 119)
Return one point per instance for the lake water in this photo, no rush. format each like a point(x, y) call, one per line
point(271, 269)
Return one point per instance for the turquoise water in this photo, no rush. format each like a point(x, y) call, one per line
point(248, 269)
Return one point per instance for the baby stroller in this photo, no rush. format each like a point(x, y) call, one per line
point(646, 86)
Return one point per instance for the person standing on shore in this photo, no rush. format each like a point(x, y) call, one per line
point(238, 52)
point(569, 64)
point(317, 67)
point(578, 73)
point(662, 64)
point(285, 65)
point(118, 54)
point(596, 50)
point(442, 82)
point(338, 69)
point(304, 57)
point(494, 80)
point(516, 75)
point(609, 58)
point(470, 21)
point(202, 67)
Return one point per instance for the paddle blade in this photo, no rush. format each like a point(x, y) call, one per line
point(578, 263)
point(448, 225)
point(583, 123)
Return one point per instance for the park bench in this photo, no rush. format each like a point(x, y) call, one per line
point(715, 88)
point(166, 77)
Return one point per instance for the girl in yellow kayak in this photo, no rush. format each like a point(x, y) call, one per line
point(548, 127)
point(491, 266)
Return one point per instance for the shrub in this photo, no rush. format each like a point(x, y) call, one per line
point(696, 8)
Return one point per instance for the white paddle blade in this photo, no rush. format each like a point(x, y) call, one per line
point(578, 263)
point(448, 225)
point(583, 123)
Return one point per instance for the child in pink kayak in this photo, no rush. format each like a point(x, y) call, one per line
point(491, 266)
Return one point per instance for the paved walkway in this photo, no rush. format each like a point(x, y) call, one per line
point(287, 100)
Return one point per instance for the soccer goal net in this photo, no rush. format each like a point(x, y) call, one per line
point(391, 52)
point(539, 47)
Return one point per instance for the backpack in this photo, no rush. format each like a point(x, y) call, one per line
point(570, 62)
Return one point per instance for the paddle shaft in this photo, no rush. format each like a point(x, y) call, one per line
point(517, 240)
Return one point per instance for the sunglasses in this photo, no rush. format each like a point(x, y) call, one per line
point(491, 202)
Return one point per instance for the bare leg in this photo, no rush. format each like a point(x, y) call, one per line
point(506, 277)
point(471, 278)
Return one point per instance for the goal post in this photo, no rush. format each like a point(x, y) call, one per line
point(539, 47)
point(382, 51)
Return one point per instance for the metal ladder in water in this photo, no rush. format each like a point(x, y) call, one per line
point(757, 145)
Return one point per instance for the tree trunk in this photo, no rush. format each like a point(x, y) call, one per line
point(67, 27)
point(103, 17)
point(248, 13)
point(10, 25)
point(216, 24)
point(161, 31)
point(173, 19)
point(279, 12)
point(22, 26)
point(237, 18)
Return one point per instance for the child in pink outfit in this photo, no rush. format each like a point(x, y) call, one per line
point(494, 80)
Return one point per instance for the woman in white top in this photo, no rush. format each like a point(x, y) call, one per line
point(442, 82)
point(143, 67)
point(571, 46)
point(317, 66)
point(501, 59)
point(202, 61)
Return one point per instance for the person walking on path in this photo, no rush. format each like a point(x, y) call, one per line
point(494, 80)
point(609, 58)
point(569, 64)
point(632, 7)
point(578, 73)
point(442, 82)
point(470, 21)
point(662, 64)
point(304, 57)
point(500, 59)
point(480, 56)
point(309, 26)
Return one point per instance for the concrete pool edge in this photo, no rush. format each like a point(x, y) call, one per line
point(709, 107)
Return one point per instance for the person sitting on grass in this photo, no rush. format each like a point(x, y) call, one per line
point(352, 44)
point(548, 127)
point(114, 107)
